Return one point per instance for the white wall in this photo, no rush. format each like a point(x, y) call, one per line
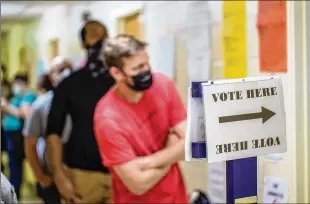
point(63, 23)
point(53, 25)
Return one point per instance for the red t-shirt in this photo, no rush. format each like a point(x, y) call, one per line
point(125, 131)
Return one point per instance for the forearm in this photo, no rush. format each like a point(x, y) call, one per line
point(8, 109)
point(54, 153)
point(168, 155)
point(153, 176)
point(33, 159)
point(147, 179)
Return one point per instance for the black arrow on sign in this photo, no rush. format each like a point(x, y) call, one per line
point(265, 115)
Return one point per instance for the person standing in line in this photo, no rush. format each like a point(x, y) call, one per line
point(35, 128)
point(83, 178)
point(140, 127)
point(16, 111)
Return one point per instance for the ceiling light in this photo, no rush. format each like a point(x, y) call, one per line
point(9, 9)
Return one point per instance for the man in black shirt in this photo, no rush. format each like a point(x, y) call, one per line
point(83, 178)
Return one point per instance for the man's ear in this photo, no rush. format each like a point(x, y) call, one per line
point(116, 73)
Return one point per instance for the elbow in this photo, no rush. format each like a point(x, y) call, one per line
point(138, 186)
point(138, 190)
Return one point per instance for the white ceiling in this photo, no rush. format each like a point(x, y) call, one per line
point(25, 9)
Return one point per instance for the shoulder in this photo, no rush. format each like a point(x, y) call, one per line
point(30, 94)
point(161, 80)
point(74, 77)
point(161, 77)
point(42, 100)
point(105, 103)
point(15, 99)
point(161, 85)
point(107, 107)
point(29, 97)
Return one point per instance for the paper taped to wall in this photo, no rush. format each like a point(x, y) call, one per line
point(275, 190)
point(198, 41)
point(164, 51)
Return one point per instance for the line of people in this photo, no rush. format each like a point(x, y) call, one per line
point(112, 131)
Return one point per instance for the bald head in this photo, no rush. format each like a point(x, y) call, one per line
point(58, 65)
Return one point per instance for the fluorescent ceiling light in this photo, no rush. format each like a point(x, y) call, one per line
point(9, 9)
point(35, 10)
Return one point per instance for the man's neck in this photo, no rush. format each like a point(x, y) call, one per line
point(128, 94)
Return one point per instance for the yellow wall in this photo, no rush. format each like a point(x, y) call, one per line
point(15, 42)
point(19, 35)
point(4, 53)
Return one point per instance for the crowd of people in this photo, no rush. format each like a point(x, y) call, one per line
point(112, 131)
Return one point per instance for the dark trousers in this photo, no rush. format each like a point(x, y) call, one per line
point(15, 149)
point(49, 195)
point(3, 148)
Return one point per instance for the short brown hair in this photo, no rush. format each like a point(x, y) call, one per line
point(83, 30)
point(115, 49)
point(21, 77)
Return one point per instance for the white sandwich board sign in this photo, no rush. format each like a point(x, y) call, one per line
point(244, 118)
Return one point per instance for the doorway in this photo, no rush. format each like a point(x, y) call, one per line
point(53, 49)
point(130, 24)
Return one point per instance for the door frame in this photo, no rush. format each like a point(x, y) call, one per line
point(120, 22)
point(306, 75)
point(120, 14)
point(298, 52)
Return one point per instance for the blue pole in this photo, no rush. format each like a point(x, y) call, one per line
point(241, 181)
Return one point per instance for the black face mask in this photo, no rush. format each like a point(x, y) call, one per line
point(141, 81)
point(93, 62)
point(93, 51)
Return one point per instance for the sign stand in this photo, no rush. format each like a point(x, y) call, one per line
point(241, 118)
point(241, 181)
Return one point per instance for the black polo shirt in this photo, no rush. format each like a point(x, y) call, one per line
point(77, 95)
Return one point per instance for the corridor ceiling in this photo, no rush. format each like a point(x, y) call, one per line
point(21, 10)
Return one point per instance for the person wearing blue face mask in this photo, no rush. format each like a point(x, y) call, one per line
point(16, 110)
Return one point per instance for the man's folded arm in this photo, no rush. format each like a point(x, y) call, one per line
point(177, 117)
point(171, 154)
point(139, 181)
point(117, 153)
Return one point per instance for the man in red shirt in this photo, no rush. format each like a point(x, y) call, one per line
point(133, 122)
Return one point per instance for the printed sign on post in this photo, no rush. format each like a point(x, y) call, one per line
point(244, 118)
point(275, 190)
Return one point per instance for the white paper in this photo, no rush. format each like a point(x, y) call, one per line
point(217, 182)
point(277, 158)
point(198, 41)
point(245, 131)
point(164, 55)
point(275, 190)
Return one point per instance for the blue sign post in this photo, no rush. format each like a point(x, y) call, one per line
point(241, 181)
